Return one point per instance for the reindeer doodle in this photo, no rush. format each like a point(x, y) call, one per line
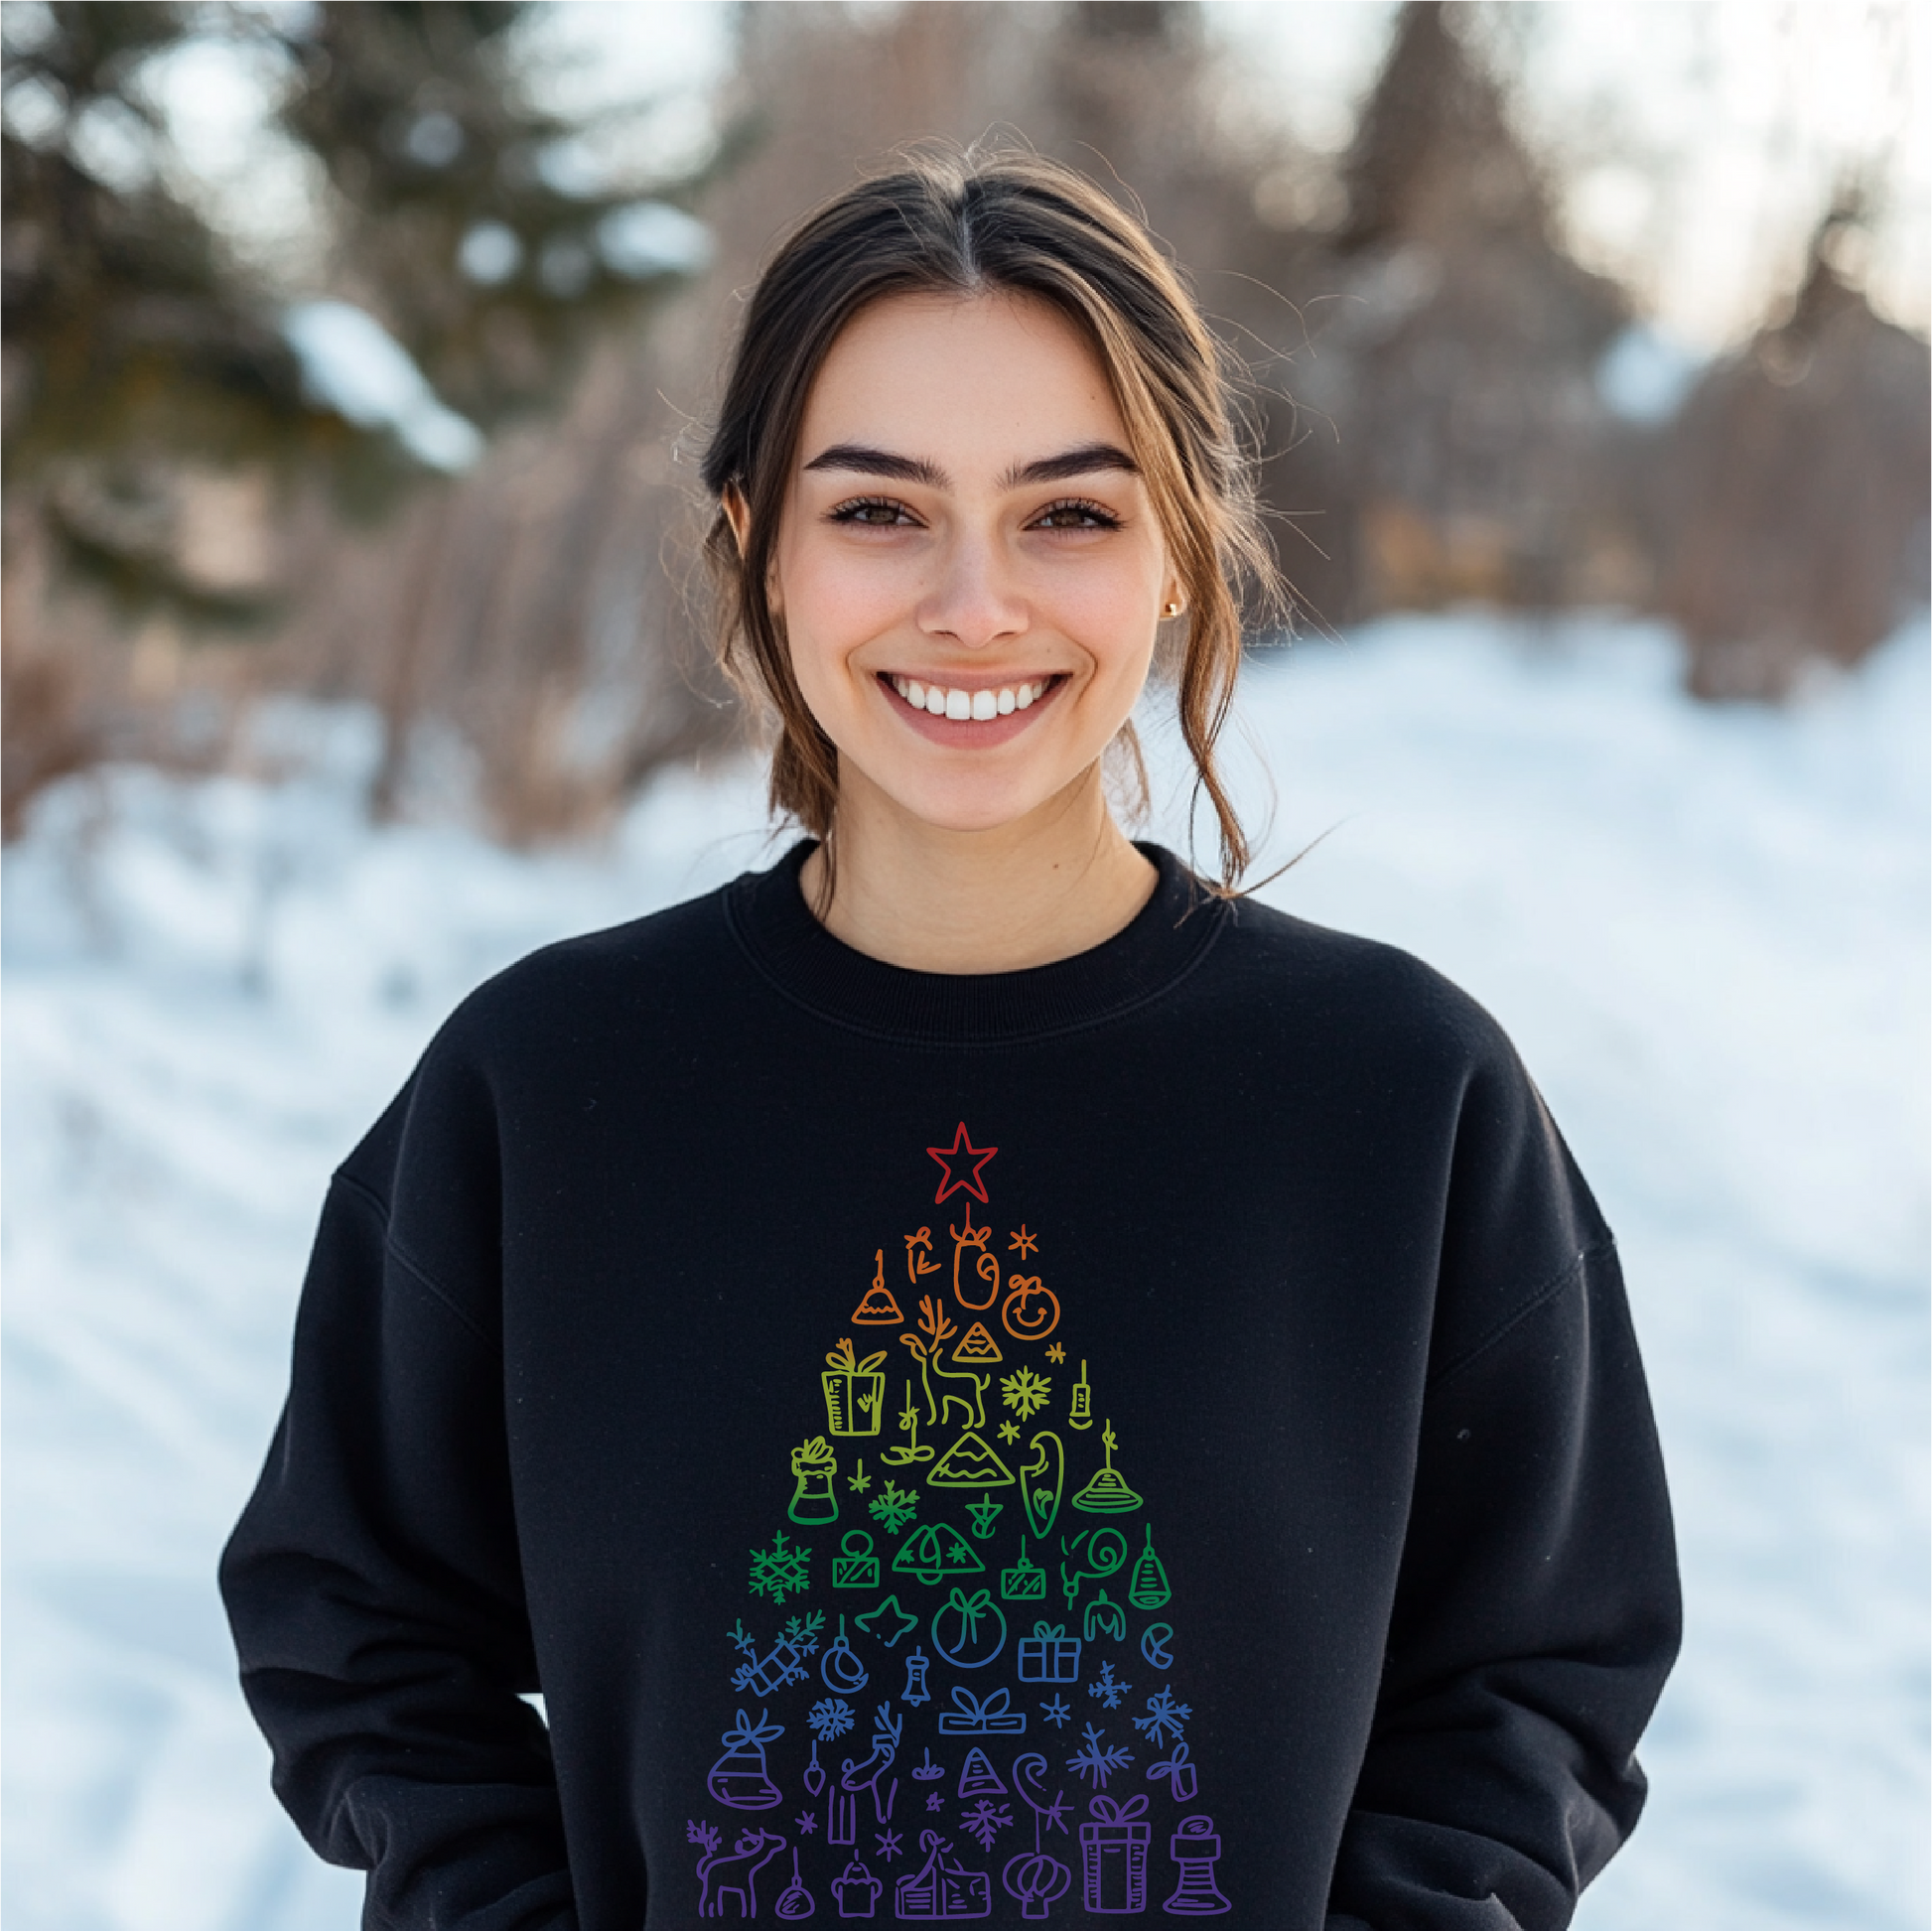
point(854, 1777)
point(938, 1330)
point(750, 1852)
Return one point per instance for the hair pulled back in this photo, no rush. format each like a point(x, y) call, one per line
point(966, 225)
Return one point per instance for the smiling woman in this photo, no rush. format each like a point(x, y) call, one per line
point(609, 1383)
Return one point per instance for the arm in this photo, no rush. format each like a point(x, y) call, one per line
point(1536, 1610)
point(373, 1582)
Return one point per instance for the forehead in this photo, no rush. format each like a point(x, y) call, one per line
point(976, 385)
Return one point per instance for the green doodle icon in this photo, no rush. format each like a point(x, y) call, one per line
point(1107, 1493)
point(934, 1553)
point(1042, 1481)
point(971, 1464)
point(985, 1512)
point(1147, 1587)
point(909, 1421)
point(855, 1567)
point(1097, 1553)
point(814, 1497)
point(887, 1624)
point(1025, 1581)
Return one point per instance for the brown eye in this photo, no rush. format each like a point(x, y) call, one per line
point(1077, 516)
point(873, 513)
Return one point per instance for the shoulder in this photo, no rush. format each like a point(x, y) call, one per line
point(1370, 1000)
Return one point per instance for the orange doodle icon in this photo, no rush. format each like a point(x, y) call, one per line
point(919, 1256)
point(971, 1240)
point(1029, 1312)
point(878, 1308)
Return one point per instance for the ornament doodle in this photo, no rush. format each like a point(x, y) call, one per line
point(1033, 1879)
point(794, 1901)
point(1030, 1311)
point(985, 1513)
point(1080, 1413)
point(927, 1769)
point(976, 1626)
point(971, 1240)
point(1025, 1581)
point(839, 1668)
point(902, 1455)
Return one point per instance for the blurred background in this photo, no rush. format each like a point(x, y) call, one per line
point(354, 361)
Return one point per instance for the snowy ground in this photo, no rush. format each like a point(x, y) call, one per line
point(1707, 932)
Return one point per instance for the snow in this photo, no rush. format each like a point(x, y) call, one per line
point(351, 364)
point(1707, 932)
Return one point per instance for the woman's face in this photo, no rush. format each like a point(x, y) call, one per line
point(967, 568)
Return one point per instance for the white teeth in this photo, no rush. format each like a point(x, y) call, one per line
point(980, 706)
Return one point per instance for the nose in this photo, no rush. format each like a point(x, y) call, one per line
point(974, 600)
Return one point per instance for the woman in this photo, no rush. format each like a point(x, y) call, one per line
point(980, 1376)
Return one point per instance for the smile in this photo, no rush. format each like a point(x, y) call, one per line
point(947, 701)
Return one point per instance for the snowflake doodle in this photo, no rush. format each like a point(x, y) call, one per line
point(888, 1844)
point(1098, 1759)
point(1109, 1689)
point(1056, 1712)
point(829, 1717)
point(1056, 1353)
point(808, 1822)
point(984, 1821)
point(1024, 1392)
point(1164, 1717)
point(780, 1571)
point(1009, 1432)
point(893, 1507)
point(935, 1801)
point(859, 1481)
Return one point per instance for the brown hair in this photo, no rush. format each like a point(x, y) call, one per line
point(968, 223)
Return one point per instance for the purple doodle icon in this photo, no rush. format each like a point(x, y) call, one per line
point(1182, 1784)
point(740, 1779)
point(857, 1890)
point(1112, 1856)
point(941, 1889)
point(1195, 1848)
point(733, 1873)
point(794, 1901)
point(1033, 1877)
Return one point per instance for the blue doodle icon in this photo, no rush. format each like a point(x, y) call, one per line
point(1154, 1645)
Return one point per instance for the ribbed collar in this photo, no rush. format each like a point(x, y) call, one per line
point(1165, 939)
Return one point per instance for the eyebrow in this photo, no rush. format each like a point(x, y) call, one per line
point(864, 460)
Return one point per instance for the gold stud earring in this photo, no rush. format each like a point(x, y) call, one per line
point(1171, 607)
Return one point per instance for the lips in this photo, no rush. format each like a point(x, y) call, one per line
point(963, 706)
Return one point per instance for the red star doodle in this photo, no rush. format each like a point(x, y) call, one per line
point(961, 1151)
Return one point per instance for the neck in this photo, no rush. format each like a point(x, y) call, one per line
point(1060, 880)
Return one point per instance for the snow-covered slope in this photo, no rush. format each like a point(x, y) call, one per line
point(1707, 932)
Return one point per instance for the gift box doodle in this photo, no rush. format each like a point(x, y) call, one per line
point(986, 1715)
point(1050, 1655)
point(1112, 1856)
point(855, 1390)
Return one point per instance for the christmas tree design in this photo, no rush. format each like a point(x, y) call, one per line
point(926, 1668)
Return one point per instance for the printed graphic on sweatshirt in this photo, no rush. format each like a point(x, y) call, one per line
point(959, 1676)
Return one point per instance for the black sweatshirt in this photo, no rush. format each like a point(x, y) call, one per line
point(1160, 1431)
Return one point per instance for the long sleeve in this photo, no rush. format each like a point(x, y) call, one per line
point(1536, 1610)
point(373, 1582)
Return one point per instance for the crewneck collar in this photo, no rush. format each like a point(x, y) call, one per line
point(1157, 948)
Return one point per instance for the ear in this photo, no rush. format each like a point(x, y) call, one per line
point(737, 514)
